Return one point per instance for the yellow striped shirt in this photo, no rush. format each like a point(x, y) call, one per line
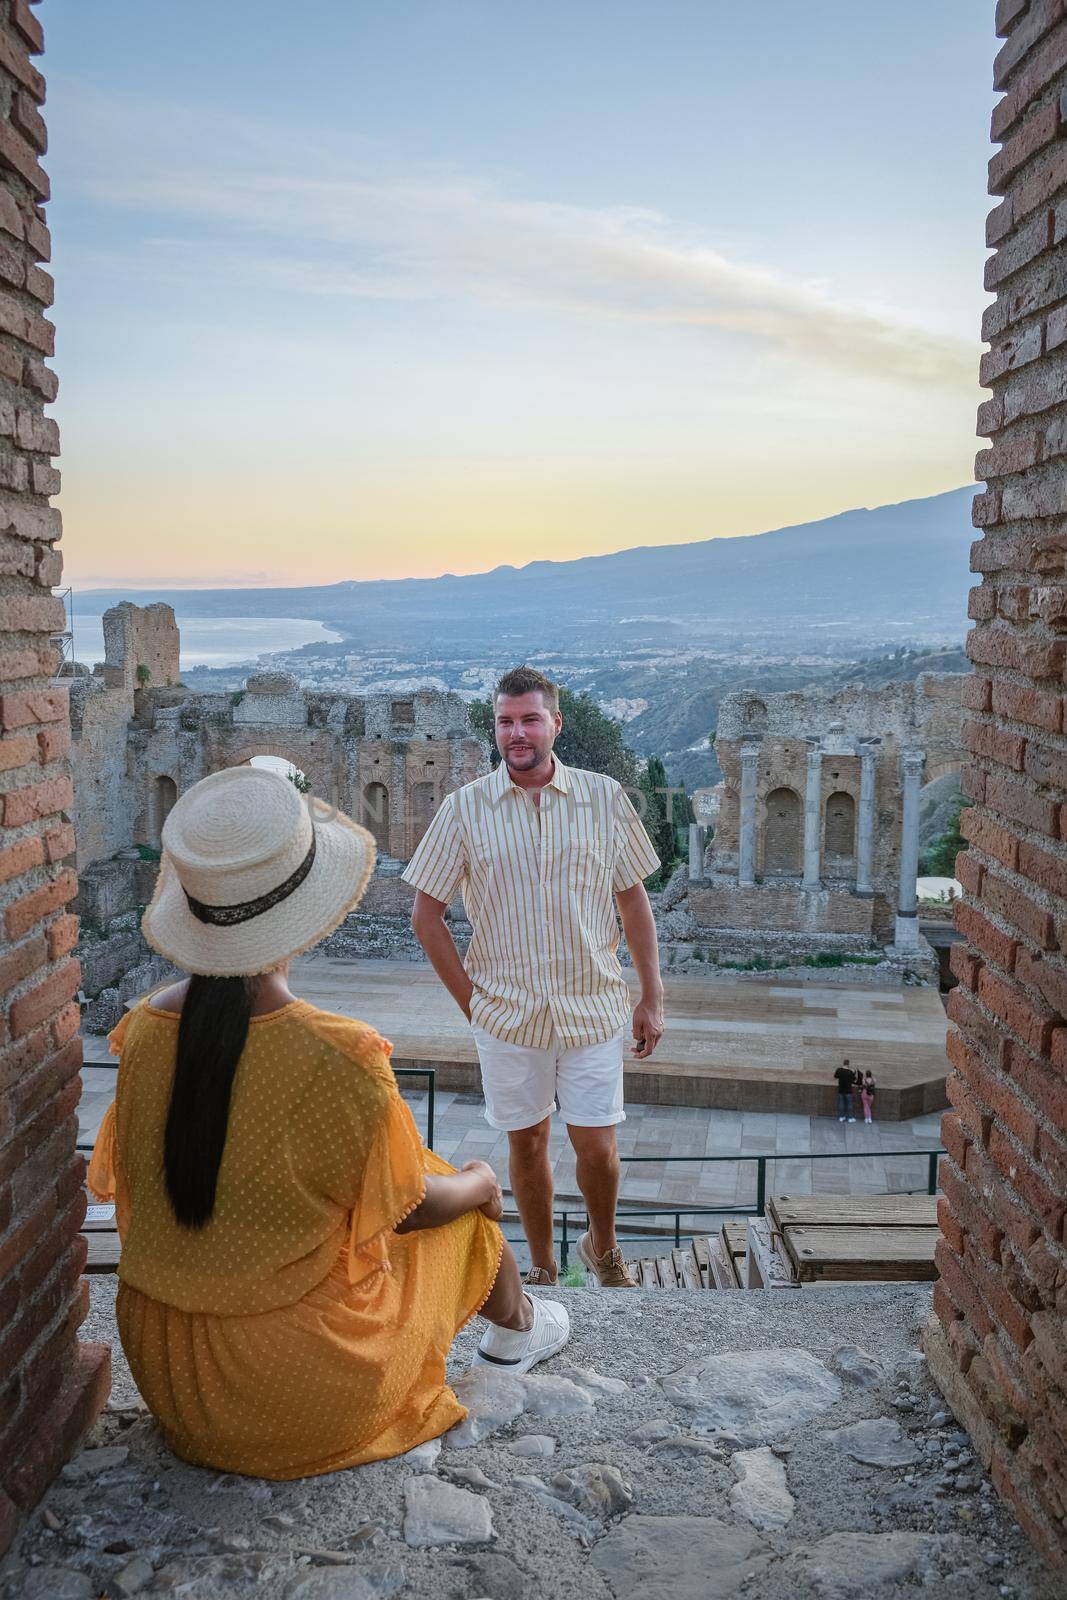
point(537, 885)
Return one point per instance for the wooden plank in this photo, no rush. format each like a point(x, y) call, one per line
point(736, 1236)
point(666, 1273)
point(894, 1254)
point(688, 1271)
point(854, 1211)
point(104, 1250)
point(764, 1266)
point(700, 1251)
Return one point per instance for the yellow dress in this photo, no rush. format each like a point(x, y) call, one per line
point(296, 1333)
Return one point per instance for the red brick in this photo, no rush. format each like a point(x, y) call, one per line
point(1036, 132)
point(1046, 764)
point(1046, 976)
point(32, 614)
point(982, 603)
point(1029, 1019)
point(82, 1396)
point(1043, 868)
point(18, 664)
point(999, 947)
point(47, 998)
point(1014, 349)
point(985, 509)
point(949, 1226)
point(944, 1309)
point(20, 857)
point(998, 224)
point(965, 964)
point(989, 837)
point(1027, 1182)
point(1050, 606)
point(16, 752)
point(996, 744)
point(999, 1095)
point(35, 375)
point(66, 1025)
point(954, 1139)
point(62, 936)
point(17, 154)
point(992, 645)
point(1019, 802)
point(38, 432)
point(1008, 13)
point(47, 1081)
point(982, 1031)
point(29, 121)
point(20, 917)
point(1038, 71)
point(966, 1206)
point(53, 744)
point(1033, 499)
point(977, 693)
point(21, 962)
point(59, 843)
point(1038, 388)
point(959, 1285)
point(990, 417)
point(36, 800)
point(978, 1123)
point(28, 25)
point(1017, 908)
point(34, 706)
point(1009, 1314)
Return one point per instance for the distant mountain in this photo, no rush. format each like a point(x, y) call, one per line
point(899, 569)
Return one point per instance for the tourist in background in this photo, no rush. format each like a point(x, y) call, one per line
point(295, 1264)
point(539, 851)
point(867, 1087)
point(846, 1084)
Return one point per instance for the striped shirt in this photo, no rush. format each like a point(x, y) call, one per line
point(537, 885)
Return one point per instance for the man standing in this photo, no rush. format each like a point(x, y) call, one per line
point(846, 1083)
point(539, 849)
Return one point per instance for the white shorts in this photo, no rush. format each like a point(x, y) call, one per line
point(522, 1086)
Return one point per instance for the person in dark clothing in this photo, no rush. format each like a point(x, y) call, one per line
point(846, 1083)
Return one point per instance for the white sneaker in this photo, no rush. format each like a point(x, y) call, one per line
point(852, 1119)
point(511, 1351)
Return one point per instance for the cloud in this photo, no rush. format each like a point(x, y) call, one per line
point(309, 222)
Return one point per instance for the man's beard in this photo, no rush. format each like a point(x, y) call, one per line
point(527, 760)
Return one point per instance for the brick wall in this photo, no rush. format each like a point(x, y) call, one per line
point(50, 1386)
point(999, 1346)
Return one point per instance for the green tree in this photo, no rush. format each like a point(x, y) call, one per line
point(939, 858)
point(660, 813)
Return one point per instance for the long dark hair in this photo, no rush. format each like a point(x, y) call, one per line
point(211, 1036)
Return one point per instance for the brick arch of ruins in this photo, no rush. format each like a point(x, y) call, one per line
point(818, 826)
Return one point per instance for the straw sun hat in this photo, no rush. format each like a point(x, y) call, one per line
point(252, 874)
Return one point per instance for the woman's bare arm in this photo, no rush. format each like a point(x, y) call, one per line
point(474, 1188)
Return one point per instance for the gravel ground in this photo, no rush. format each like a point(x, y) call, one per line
point(721, 1457)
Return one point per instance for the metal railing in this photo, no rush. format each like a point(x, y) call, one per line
point(429, 1073)
point(758, 1208)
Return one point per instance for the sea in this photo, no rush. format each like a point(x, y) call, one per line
point(214, 641)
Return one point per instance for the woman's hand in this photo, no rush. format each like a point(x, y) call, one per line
point(493, 1206)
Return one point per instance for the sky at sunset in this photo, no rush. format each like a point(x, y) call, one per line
point(357, 290)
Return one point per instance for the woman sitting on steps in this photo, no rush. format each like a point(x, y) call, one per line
point(295, 1264)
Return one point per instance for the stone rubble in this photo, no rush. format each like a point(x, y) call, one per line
point(651, 1480)
point(761, 1495)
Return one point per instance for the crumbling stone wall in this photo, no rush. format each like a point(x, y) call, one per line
point(50, 1386)
point(999, 1347)
point(778, 734)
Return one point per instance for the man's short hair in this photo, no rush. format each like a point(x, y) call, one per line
point(527, 680)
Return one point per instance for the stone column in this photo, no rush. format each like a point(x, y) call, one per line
point(865, 823)
point(746, 855)
point(813, 818)
point(696, 852)
point(907, 930)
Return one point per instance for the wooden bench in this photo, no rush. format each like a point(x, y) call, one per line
point(101, 1236)
point(884, 1238)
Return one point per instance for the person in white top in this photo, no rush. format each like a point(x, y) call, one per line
point(543, 855)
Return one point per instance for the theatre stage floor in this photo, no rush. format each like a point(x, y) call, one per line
point(743, 1045)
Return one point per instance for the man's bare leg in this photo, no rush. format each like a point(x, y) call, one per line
point(531, 1183)
point(507, 1304)
point(597, 1171)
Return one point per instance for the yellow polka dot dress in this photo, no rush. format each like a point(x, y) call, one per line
point(296, 1333)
